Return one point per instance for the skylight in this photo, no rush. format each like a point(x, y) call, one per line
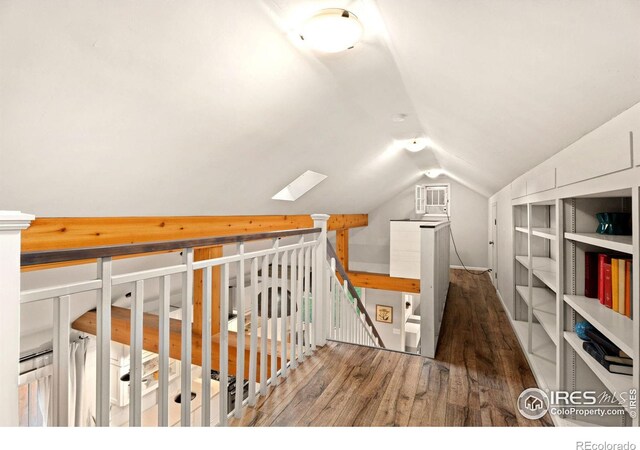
point(300, 186)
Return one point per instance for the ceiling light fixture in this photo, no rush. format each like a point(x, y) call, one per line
point(331, 30)
point(416, 144)
point(434, 173)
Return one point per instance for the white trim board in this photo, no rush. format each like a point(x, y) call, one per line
point(453, 266)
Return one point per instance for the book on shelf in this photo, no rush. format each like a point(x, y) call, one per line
point(607, 285)
point(609, 347)
point(613, 282)
point(615, 262)
point(591, 274)
point(628, 288)
point(597, 353)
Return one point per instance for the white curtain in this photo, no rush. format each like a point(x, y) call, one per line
point(45, 412)
point(82, 383)
point(81, 387)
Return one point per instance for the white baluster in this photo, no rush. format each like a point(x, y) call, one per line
point(135, 356)
point(103, 345)
point(264, 302)
point(284, 309)
point(314, 298)
point(253, 352)
point(163, 351)
point(240, 292)
point(275, 281)
point(224, 346)
point(187, 314)
point(300, 300)
point(294, 308)
point(307, 300)
point(61, 333)
point(207, 283)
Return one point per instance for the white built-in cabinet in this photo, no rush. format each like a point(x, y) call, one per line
point(609, 149)
point(554, 210)
point(550, 241)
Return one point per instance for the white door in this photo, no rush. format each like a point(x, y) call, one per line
point(493, 244)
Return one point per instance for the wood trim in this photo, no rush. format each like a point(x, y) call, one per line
point(74, 254)
point(120, 332)
point(342, 247)
point(385, 282)
point(80, 232)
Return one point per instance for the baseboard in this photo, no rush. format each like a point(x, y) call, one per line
point(468, 267)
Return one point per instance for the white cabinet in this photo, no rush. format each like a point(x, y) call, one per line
point(605, 150)
point(404, 258)
point(541, 178)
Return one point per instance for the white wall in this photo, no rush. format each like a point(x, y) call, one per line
point(369, 247)
point(387, 298)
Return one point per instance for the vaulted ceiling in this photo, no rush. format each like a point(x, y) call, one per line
point(211, 107)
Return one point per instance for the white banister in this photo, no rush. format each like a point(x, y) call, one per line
point(61, 334)
point(163, 351)
point(299, 267)
point(321, 291)
point(185, 352)
point(240, 296)
point(11, 225)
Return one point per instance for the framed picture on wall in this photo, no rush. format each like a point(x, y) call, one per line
point(384, 314)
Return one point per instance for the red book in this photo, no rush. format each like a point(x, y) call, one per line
point(591, 275)
point(627, 288)
point(602, 260)
point(608, 292)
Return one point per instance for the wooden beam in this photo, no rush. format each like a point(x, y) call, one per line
point(384, 282)
point(342, 247)
point(81, 232)
point(201, 254)
point(120, 332)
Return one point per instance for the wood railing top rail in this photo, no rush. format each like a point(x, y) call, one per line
point(73, 254)
point(331, 253)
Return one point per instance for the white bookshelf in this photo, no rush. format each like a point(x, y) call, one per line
point(622, 244)
point(549, 287)
point(542, 358)
point(615, 383)
point(544, 269)
point(546, 233)
point(616, 327)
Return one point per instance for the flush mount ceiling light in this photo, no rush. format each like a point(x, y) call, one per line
point(416, 144)
point(331, 30)
point(434, 173)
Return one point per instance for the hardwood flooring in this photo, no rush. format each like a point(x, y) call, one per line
point(475, 379)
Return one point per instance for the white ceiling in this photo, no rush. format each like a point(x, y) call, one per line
point(211, 107)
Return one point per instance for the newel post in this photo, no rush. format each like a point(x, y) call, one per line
point(320, 297)
point(11, 224)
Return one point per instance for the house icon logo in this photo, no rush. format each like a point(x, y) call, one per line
point(533, 403)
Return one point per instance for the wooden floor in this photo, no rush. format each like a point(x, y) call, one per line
point(477, 375)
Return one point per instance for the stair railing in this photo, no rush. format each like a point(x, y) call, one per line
point(273, 345)
point(349, 320)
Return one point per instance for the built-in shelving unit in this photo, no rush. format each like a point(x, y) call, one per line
point(550, 243)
